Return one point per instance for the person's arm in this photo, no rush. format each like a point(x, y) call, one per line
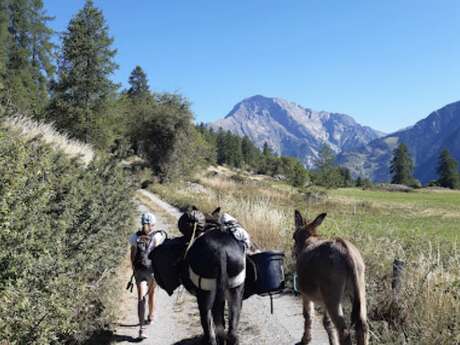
point(133, 255)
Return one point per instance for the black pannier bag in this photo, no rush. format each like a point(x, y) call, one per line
point(166, 261)
point(264, 273)
point(190, 221)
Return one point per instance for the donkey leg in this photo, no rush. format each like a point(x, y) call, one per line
point(360, 318)
point(330, 330)
point(307, 315)
point(205, 302)
point(235, 303)
point(218, 315)
point(334, 309)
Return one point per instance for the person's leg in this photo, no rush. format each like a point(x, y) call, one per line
point(151, 293)
point(141, 296)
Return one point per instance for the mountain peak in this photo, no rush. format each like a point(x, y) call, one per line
point(293, 130)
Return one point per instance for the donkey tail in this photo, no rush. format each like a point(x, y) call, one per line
point(222, 279)
point(219, 302)
point(359, 310)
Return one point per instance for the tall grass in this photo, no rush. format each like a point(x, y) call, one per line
point(427, 309)
point(29, 129)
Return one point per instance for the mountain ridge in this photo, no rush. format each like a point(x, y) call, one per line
point(293, 130)
point(425, 139)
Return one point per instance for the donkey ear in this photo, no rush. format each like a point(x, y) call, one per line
point(216, 212)
point(318, 220)
point(298, 219)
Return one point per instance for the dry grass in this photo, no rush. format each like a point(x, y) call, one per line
point(428, 309)
point(30, 129)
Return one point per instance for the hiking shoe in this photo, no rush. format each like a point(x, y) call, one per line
point(142, 335)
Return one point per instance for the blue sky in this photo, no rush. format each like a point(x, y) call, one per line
point(386, 63)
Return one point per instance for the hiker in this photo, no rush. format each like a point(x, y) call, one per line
point(142, 242)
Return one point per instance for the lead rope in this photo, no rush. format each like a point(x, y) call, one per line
point(180, 293)
point(192, 239)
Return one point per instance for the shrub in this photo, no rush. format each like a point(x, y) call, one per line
point(63, 231)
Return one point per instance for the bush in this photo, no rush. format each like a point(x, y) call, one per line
point(63, 230)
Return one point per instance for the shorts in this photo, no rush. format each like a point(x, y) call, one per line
point(143, 275)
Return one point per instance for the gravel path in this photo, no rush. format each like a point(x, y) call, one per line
point(177, 322)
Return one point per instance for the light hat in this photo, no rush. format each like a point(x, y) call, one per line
point(148, 218)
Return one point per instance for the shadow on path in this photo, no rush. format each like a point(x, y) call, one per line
point(108, 337)
point(118, 338)
point(190, 341)
point(125, 325)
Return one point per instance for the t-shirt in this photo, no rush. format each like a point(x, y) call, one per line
point(156, 240)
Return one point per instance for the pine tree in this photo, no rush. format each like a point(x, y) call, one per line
point(84, 92)
point(449, 176)
point(3, 52)
point(251, 154)
point(234, 150)
point(139, 86)
point(26, 58)
point(267, 151)
point(327, 173)
point(402, 166)
point(222, 147)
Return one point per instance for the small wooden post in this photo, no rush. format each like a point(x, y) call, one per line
point(398, 269)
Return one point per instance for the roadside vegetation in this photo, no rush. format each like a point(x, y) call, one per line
point(63, 228)
point(419, 228)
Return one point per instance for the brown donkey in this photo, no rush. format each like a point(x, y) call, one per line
point(327, 270)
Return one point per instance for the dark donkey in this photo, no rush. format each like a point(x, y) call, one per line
point(327, 269)
point(214, 272)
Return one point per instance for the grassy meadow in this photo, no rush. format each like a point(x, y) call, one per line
point(421, 228)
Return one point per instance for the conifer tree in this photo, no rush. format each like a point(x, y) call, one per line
point(449, 176)
point(327, 173)
point(26, 54)
point(402, 166)
point(84, 92)
point(3, 52)
point(139, 86)
point(267, 151)
point(222, 147)
point(249, 152)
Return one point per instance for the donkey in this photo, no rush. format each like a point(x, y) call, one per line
point(327, 270)
point(214, 271)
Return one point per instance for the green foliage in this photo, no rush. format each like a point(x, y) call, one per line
point(232, 150)
point(83, 94)
point(139, 86)
point(251, 154)
point(169, 140)
point(449, 176)
point(295, 172)
point(26, 55)
point(327, 173)
point(229, 149)
point(364, 183)
point(402, 167)
point(63, 231)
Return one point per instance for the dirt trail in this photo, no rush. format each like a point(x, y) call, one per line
point(177, 322)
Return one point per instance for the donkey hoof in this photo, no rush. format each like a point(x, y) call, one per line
point(205, 341)
point(232, 340)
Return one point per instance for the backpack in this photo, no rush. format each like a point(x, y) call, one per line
point(141, 260)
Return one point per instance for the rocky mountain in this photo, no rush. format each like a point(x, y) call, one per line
point(292, 130)
point(425, 140)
